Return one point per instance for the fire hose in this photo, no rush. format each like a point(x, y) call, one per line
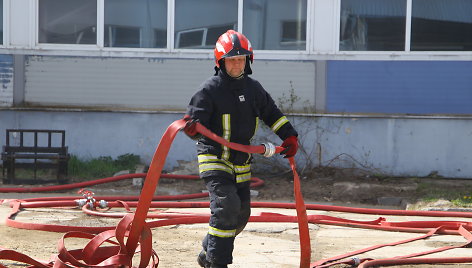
point(134, 226)
point(133, 231)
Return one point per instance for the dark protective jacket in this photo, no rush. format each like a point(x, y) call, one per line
point(231, 108)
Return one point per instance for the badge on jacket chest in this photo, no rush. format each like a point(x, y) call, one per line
point(241, 98)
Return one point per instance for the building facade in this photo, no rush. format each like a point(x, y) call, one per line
point(378, 77)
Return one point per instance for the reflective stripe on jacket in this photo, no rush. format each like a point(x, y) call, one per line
point(231, 108)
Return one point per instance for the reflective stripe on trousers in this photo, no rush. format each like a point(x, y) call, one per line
point(209, 163)
point(229, 203)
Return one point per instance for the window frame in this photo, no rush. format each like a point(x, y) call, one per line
point(86, 47)
point(171, 38)
point(203, 34)
point(406, 52)
point(6, 23)
point(322, 43)
point(100, 44)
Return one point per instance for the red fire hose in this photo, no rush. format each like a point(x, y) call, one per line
point(133, 231)
point(134, 226)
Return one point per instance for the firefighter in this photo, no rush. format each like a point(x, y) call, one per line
point(230, 104)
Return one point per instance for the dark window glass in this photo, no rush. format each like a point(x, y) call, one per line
point(160, 39)
point(373, 25)
point(441, 25)
point(275, 24)
point(198, 24)
point(137, 23)
point(119, 36)
point(293, 31)
point(67, 21)
point(214, 32)
point(192, 38)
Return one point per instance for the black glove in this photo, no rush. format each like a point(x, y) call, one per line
point(190, 128)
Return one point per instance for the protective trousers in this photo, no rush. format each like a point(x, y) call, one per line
point(230, 210)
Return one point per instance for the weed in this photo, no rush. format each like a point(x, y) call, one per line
point(101, 167)
point(430, 192)
point(464, 201)
point(286, 104)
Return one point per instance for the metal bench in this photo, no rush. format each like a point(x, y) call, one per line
point(34, 149)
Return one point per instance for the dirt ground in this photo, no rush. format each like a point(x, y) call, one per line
point(261, 244)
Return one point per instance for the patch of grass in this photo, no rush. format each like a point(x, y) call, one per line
point(430, 192)
point(101, 167)
point(22, 173)
point(464, 201)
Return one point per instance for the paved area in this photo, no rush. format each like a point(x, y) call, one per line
point(260, 245)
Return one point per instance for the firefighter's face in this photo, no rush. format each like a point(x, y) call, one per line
point(235, 65)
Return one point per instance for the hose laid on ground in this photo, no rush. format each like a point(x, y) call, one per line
point(121, 252)
point(255, 183)
point(428, 227)
point(449, 227)
point(134, 226)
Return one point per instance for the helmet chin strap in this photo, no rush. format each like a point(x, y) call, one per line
point(241, 75)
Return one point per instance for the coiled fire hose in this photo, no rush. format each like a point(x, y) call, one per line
point(154, 173)
point(119, 253)
point(134, 226)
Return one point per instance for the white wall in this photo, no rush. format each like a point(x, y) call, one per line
point(21, 33)
point(147, 83)
point(395, 146)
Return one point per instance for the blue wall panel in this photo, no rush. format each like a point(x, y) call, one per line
point(6, 70)
point(400, 87)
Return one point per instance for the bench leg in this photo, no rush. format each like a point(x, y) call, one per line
point(62, 172)
point(10, 172)
point(6, 166)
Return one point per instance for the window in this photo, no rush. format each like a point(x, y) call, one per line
point(160, 37)
point(214, 33)
point(441, 25)
point(198, 24)
point(293, 31)
point(373, 25)
point(1, 22)
point(275, 24)
point(137, 23)
point(201, 38)
point(191, 38)
point(67, 21)
point(119, 36)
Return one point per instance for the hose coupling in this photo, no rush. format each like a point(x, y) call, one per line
point(269, 149)
point(102, 204)
point(81, 202)
point(356, 261)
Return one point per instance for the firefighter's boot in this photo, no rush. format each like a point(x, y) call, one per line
point(215, 265)
point(201, 259)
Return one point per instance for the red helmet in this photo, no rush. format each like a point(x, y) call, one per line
point(231, 44)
